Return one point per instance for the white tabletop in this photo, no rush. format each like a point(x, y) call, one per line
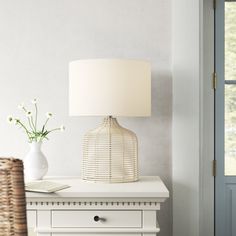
point(146, 187)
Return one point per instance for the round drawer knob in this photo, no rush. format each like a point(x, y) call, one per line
point(96, 218)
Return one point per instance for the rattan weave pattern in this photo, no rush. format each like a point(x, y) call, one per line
point(12, 198)
point(110, 154)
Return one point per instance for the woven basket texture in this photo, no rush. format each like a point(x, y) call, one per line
point(12, 198)
point(110, 154)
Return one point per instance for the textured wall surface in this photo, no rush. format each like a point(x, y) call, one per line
point(37, 40)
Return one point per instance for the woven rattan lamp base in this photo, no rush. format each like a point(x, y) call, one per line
point(110, 154)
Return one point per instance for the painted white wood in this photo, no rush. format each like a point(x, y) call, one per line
point(31, 222)
point(72, 212)
point(87, 234)
point(192, 149)
point(185, 150)
point(91, 204)
point(31, 218)
point(147, 186)
point(150, 221)
point(86, 219)
point(206, 185)
point(44, 220)
point(98, 230)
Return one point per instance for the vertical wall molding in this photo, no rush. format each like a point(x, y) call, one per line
point(193, 116)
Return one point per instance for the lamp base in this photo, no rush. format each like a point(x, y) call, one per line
point(110, 154)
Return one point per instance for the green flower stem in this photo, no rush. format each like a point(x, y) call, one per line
point(24, 127)
point(53, 130)
point(32, 122)
point(32, 127)
point(45, 124)
point(43, 137)
point(36, 115)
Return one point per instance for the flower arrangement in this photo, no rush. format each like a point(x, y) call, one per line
point(31, 128)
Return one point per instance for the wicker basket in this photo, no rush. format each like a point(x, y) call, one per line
point(12, 198)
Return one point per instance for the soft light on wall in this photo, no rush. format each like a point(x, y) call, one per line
point(38, 39)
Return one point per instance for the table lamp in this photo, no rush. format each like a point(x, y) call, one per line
point(110, 88)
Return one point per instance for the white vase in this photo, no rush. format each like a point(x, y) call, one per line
point(35, 163)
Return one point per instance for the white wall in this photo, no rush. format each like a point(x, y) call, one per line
point(193, 117)
point(37, 40)
point(185, 149)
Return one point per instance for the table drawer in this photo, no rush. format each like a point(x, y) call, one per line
point(31, 218)
point(131, 219)
point(88, 234)
point(31, 222)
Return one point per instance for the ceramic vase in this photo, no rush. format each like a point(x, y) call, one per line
point(35, 163)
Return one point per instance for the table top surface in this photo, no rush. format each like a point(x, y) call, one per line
point(146, 187)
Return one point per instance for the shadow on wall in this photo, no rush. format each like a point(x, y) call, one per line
point(184, 194)
point(162, 164)
point(154, 136)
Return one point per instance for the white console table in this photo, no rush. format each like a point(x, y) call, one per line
point(89, 209)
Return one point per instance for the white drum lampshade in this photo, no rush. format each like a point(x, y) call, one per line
point(110, 88)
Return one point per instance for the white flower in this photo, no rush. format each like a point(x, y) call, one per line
point(28, 113)
point(34, 101)
point(48, 115)
point(16, 121)
point(62, 128)
point(21, 106)
point(10, 119)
